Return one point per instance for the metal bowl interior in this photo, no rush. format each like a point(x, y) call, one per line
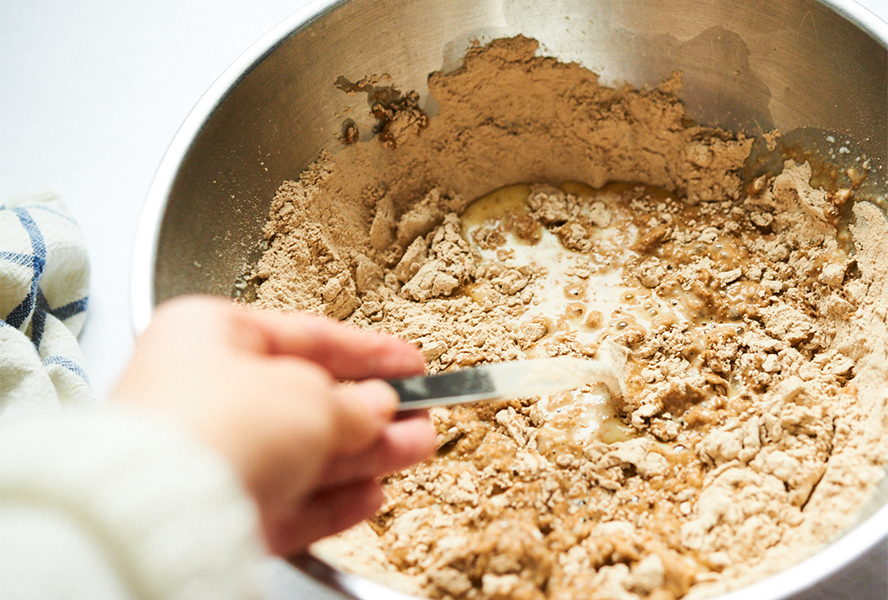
point(748, 66)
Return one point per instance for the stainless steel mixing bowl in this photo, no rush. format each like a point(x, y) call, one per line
point(753, 65)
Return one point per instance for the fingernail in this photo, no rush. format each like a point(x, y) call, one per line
point(379, 397)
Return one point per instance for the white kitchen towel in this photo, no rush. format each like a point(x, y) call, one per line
point(44, 285)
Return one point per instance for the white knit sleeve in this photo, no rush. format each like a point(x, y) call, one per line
point(98, 502)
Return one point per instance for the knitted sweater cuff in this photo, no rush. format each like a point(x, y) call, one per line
point(171, 512)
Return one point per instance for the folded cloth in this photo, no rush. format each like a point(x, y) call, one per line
point(44, 282)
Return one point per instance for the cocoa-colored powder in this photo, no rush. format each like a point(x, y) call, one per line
point(752, 337)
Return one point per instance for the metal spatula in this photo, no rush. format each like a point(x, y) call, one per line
point(499, 381)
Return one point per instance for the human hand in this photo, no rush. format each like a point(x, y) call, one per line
point(261, 388)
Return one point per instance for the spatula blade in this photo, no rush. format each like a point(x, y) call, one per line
point(499, 381)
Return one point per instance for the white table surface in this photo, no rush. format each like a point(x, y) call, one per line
point(91, 94)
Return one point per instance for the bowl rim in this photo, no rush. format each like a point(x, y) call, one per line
point(829, 560)
point(144, 250)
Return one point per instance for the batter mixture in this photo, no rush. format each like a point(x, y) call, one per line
point(747, 320)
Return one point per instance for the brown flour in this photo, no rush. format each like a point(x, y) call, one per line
point(755, 399)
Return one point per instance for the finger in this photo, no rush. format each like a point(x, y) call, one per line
point(281, 429)
point(346, 352)
point(329, 511)
point(403, 443)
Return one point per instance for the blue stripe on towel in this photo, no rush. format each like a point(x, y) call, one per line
point(38, 324)
point(53, 212)
point(24, 260)
point(68, 364)
point(18, 315)
point(38, 321)
point(69, 310)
